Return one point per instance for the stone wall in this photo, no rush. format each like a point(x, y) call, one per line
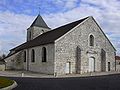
point(117, 65)
point(36, 31)
point(15, 61)
point(39, 66)
point(65, 48)
point(2, 67)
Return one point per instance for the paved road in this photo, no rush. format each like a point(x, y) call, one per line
point(110, 82)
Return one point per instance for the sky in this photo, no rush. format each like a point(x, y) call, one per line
point(17, 15)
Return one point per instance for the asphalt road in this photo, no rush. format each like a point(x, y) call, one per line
point(110, 82)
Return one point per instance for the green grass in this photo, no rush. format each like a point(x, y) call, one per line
point(4, 82)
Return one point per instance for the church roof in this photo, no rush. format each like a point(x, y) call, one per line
point(39, 22)
point(48, 37)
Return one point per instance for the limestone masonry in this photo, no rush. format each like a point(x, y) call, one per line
point(78, 47)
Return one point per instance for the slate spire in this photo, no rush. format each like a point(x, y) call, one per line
point(39, 22)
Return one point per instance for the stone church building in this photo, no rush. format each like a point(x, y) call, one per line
point(77, 47)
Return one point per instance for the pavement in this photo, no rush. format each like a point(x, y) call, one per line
point(14, 73)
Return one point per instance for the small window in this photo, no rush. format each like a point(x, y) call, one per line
point(42, 31)
point(109, 66)
point(44, 58)
point(91, 40)
point(33, 55)
point(24, 56)
point(30, 35)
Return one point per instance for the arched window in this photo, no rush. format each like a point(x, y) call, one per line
point(30, 35)
point(24, 56)
point(44, 56)
point(42, 31)
point(33, 55)
point(91, 40)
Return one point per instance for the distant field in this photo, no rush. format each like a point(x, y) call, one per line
point(4, 82)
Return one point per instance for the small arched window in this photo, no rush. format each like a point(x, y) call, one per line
point(33, 55)
point(91, 40)
point(44, 56)
point(24, 56)
point(42, 31)
point(29, 35)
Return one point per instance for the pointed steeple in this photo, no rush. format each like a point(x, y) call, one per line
point(37, 28)
point(39, 22)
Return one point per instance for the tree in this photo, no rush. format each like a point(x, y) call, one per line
point(2, 56)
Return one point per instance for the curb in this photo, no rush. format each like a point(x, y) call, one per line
point(10, 87)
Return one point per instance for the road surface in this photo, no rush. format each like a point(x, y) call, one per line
point(108, 82)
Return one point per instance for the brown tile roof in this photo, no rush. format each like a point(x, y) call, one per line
point(48, 37)
point(117, 57)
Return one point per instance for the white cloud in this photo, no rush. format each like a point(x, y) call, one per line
point(67, 4)
point(0, 45)
point(106, 12)
point(71, 4)
point(13, 29)
point(59, 2)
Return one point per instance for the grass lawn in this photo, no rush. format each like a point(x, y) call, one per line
point(4, 82)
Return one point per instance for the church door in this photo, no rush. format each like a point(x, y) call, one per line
point(91, 64)
point(108, 66)
point(68, 68)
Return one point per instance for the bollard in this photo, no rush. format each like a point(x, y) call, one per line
point(55, 74)
point(22, 74)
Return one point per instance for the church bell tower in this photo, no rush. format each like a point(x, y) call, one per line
point(37, 28)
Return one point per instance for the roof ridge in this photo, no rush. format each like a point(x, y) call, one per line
point(71, 22)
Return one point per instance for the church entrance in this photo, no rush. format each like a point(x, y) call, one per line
point(68, 68)
point(108, 66)
point(91, 64)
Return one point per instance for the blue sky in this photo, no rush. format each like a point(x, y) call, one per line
point(17, 15)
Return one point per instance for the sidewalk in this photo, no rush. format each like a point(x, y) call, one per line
point(24, 74)
point(90, 74)
point(39, 75)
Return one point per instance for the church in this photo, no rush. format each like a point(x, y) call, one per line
point(75, 48)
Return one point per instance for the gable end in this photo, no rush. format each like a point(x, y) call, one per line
point(103, 33)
